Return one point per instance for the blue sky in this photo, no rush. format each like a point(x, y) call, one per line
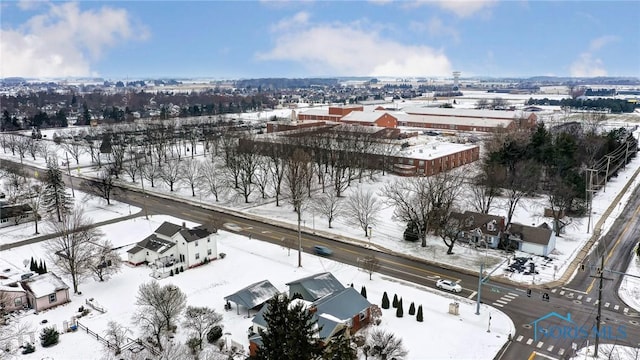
point(248, 39)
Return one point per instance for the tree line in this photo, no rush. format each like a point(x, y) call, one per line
point(602, 104)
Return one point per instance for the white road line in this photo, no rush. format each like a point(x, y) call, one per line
point(519, 338)
point(550, 348)
point(596, 303)
point(588, 299)
point(626, 310)
point(502, 301)
point(616, 307)
point(606, 304)
point(512, 294)
point(574, 290)
point(554, 290)
point(472, 295)
point(529, 341)
point(579, 297)
point(496, 304)
point(561, 292)
point(561, 352)
point(539, 345)
point(510, 297)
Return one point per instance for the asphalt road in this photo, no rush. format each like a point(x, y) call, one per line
point(577, 298)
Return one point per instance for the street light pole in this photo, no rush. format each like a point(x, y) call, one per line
point(299, 240)
point(479, 289)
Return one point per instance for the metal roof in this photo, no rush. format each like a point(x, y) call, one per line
point(319, 285)
point(254, 294)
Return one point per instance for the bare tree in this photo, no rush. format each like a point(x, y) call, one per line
point(34, 200)
point(15, 183)
point(370, 264)
point(277, 166)
point(150, 171)
point(106, 261)
point(448, 229)
point(362, 209)
point(410, 199)
point(152, 324)
point(328, 205)
point(385, 345)
point(103, 185)
point(298, 167)
point(22, 146)
point(170, 172)
point(13, 330)
point(199, 320)
point(33, 146)
point(167, 301)
point(116, 335)
point(191, 174)
point(211, 178)
point(131, 166)
point(560, 198)
point(482, 103)
point(262, 177)
point(248, 165)
point(519, 183)
point(44, 148)
point(73, 249)
point(484, 187)
point(75, 149)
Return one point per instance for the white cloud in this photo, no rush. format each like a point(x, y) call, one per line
point(340, 49)
point(462, 8)
point(298, 19)
point(588, 64)
point(63, 41)
point(436, 28)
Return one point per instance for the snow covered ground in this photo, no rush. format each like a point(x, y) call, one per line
point(440, 336)
point(206, 287)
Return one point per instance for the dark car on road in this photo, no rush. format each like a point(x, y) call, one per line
point(322, 250)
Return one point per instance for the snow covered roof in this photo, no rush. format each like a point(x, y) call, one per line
point(433, 150)
point(7, 288)
point(44, 285)
point(452, 120)
point(343, 304)
point(363, 116)
point(465, 113)
point(153, 243)
point(254, 294)
point(319, 285)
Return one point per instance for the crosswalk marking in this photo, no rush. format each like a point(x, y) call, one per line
point(579, 297)
point(596, 303)
point(529, 341)
point(502, 301)
point(606, 304)
point(509, 296)
point(588, 299)
point(519, 338)
point(626, 310)
point(512, 294)
point(539, 345)
point(561, 352)
point(496, 304)
point(616, 307)
point(554, 290)
point(550, 348)
point(562, 292)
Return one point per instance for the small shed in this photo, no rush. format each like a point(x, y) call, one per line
point(253, 296)
point(46, 291)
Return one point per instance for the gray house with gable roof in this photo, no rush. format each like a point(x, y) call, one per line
point(174, 244)
point(314, 287)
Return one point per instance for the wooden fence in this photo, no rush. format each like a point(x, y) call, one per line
point(129, 345)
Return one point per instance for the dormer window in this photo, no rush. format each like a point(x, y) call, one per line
point(196, 242)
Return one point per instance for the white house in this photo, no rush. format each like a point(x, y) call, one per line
point(174, 244)
point(537, 240)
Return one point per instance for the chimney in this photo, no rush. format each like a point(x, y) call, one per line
point(184, 225)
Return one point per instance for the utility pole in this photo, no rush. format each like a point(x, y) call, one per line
point(73, 194)
point(144, 198)
point(599, 275)
point(299, 238)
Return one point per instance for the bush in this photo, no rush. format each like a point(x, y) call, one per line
point(177, 271)
point(181, 269)
point(49, 337)
point(363, 292)
point(412, 309)
point(419, 316)
point(395, 301)
point(385, 301)
point(193, 344)
point(214, 334)
point(81, 309)
point(399, 310)
point(28, 348)
point(171, 273)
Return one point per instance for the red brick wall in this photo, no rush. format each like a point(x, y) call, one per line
point(342, 111)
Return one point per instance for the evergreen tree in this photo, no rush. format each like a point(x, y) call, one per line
point(49, 337)
point(395, 301)
point(33, 266)
point(55, 197)
point(339, 348)
point(44, 267)
point(385, 301)
point(291, 332)
point(399, 310)
point(419, 315)
point(40, 268)
point(363, 291)
point(412, 309)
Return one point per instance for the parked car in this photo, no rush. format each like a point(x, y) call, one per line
point(322, 250)
point(448, 285)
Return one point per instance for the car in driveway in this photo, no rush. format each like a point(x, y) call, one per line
point(448, 285)
point(322, 250)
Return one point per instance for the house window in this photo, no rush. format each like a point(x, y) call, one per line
point(197, 256)
point(17, 302)
point(209, 252)
point(52, 298)
point(5, 220)
point(147, 253)
point(196, 242)
point(208, 239)
point(362, 315)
